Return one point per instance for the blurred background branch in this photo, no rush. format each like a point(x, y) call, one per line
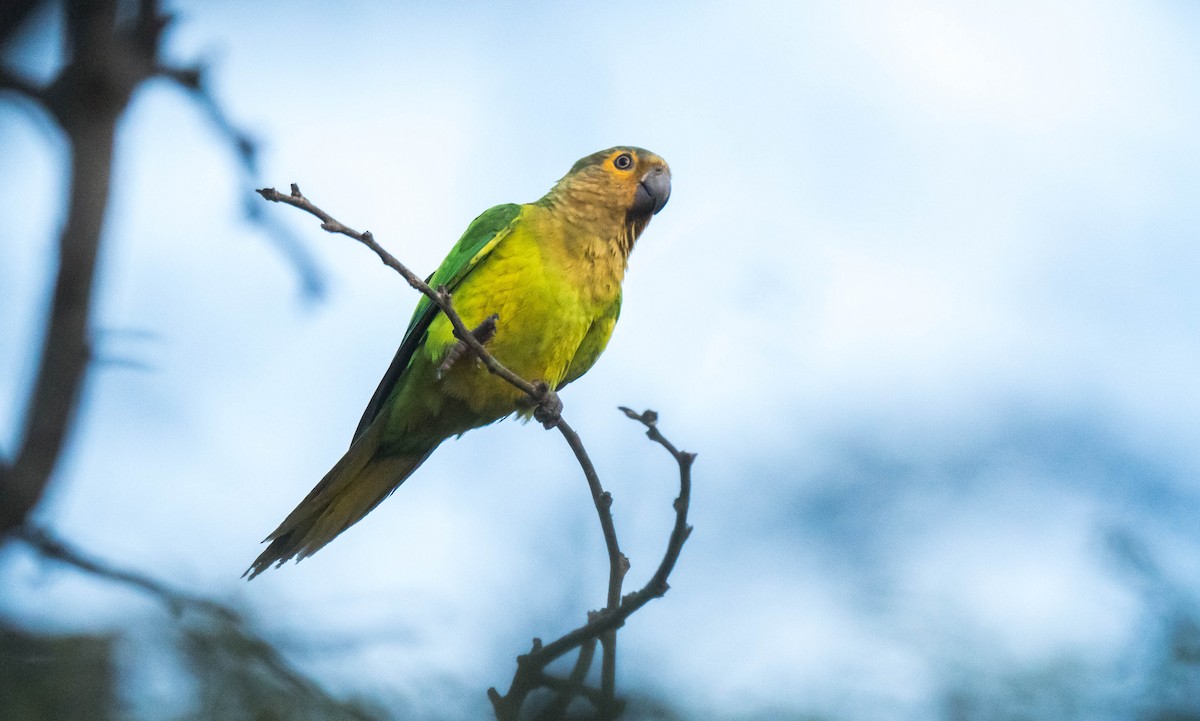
point(85, 100)
point(176, 602)
point(113, 48)
point(224, 649)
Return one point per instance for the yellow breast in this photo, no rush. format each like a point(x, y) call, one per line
point(548, 283)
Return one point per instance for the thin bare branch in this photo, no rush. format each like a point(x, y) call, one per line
point(528, 676)
point(679, 534)
point(618, 562)
point(530, 666)
point(569, 687)
point(657, 585)
point(557, 707)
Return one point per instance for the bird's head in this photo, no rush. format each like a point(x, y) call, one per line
point(620, 188)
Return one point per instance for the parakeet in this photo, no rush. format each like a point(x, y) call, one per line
point(551, 271)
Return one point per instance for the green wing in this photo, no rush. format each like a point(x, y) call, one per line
point(481, 236)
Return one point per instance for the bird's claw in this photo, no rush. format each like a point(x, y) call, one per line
point(548, 407)
point(482, 332)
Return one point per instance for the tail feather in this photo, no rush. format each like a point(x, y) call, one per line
point(350, 490)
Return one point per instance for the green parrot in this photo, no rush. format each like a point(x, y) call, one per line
point(551, 271)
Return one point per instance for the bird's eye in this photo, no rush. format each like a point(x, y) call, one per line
point(624, 161)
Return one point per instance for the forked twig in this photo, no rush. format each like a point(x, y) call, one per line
point(530, 667)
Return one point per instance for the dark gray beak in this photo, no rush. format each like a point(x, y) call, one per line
point(653, 192)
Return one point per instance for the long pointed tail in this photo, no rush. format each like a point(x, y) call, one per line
point(350, 490)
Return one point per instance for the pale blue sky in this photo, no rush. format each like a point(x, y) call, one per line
point(924, 299)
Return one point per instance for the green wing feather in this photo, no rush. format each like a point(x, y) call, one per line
point(479, 239)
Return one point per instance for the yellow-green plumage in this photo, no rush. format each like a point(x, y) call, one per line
point(551, 271)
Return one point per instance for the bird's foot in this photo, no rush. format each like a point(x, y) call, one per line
point(547, 407)
point(482, 332)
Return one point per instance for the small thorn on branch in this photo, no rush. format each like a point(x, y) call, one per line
point(483, 333)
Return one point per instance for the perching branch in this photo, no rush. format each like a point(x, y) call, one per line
point(602, 625)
